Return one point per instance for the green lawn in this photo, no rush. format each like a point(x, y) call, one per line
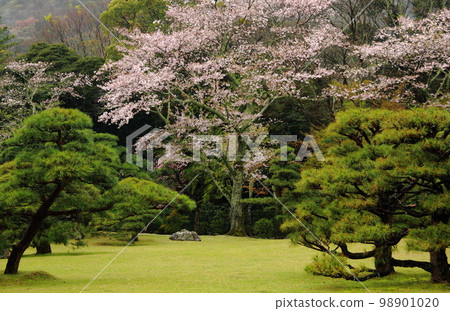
point(217, 264)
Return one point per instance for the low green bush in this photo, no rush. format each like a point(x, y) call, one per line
point(328, 265)
point(263, 228)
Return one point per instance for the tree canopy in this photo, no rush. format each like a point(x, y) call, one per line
point(145, 15)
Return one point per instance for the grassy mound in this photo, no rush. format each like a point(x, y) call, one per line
point(25, 278)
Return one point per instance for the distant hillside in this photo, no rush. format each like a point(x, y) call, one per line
point(13, 11)
point(21, 11)
point(25, 18)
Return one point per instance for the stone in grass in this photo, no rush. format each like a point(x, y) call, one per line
point(6, 254)
point(185, 235)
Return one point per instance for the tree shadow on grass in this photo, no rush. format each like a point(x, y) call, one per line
point(399, 282)
point(64, 254)
point(141, 242)
point(402, 280)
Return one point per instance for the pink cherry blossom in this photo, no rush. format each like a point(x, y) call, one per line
point(404, 60)
point(220, 65)
point(20, 85)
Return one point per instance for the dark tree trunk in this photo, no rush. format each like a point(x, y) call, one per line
point(383, 260)
point(237, 214)
point(438, 258)
point(237, 217)
point(383, 251)
point(440, 272)
point(43, 247)
point(12, 267)
point(412, 264)
point(197, 219)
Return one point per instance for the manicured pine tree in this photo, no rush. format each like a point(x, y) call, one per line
point(368, 192)
point(56, 167)
point(59, 167)
point(422, 138)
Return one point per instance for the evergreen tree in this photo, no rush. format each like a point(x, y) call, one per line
point(422, 165)
point(57, 172)
point(59, 167)
point(60, 57)
point(5, 44)
point(367, 193)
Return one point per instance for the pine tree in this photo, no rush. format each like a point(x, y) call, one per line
point(422, 165)
point(57, 173)
point(369, 191)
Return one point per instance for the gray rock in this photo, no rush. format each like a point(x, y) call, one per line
point(185, 235)
point(6, 254)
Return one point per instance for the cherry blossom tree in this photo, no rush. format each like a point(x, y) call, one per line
point(407, 64)
point(28, 88)
point(217, 69)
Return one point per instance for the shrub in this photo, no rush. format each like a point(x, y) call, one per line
point(214, 219)
point(263, 228)
point(327, 265)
